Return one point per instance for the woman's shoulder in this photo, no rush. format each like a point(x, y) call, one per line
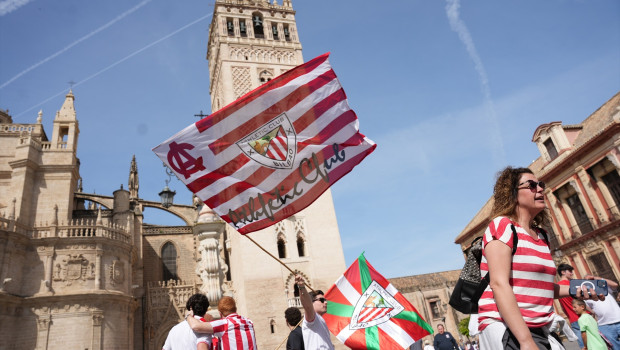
point(500, 221)
point(499, 228)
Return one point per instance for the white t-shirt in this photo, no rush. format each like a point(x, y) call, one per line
point(606, 311)
point(316, 334)
point(182, 337)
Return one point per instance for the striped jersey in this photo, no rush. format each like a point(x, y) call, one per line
point(532, 276)
point(235, 332)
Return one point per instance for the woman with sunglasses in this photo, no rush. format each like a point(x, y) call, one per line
point(516, 309)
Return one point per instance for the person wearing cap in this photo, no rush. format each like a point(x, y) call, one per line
point(566, 273)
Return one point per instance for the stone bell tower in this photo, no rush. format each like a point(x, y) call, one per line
point(250, 43)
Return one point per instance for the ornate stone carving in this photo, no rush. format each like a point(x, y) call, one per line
point(116, 272)
point(97, 318)
point(43, 322)
point(209, 265)
point(241, 80)
point(75, 268)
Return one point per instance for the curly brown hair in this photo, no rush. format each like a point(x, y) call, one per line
point(505, 196)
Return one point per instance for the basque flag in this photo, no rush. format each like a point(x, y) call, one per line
point(272, 152)
point(365, 311)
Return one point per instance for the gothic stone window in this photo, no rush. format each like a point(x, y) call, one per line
point(265, 76)
point(169, 260)
point(551, 150)
point(281, 248)
point(243, 28)
point(230, 27)
point(287, 33)
point(301, 245)
point(274, 30)
point(257, 21)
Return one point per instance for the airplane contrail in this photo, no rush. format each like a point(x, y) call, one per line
point(9, 6)
point(87, 36)
point(118, 62)
point(457, 25)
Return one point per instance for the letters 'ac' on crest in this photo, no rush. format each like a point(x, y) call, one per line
point(273, 144)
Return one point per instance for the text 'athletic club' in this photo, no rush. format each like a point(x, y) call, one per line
point(272, 152)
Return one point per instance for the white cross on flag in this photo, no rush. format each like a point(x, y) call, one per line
point(272, 152)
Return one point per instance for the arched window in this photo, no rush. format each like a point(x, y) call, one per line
point(272, 325)
point(281, 248)
point(169, 260)
point(296, 290)
point(230, 28)
point(274, 30)
point(257, 22)
point(242, 28)
point(265, 76)
point(301, 245)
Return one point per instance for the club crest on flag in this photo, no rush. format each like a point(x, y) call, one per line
point(375, 306)
point(272, 152)
point(273, 144)
point(366, 312)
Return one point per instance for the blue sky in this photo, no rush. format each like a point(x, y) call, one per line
point(451, 92)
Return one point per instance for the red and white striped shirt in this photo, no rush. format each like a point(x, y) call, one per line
point(236, 332)
point(531, 278)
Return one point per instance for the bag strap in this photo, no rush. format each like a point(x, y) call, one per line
point(515, 241)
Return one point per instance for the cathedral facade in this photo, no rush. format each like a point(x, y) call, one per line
point(84, 271)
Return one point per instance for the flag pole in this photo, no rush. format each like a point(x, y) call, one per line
point(298, 323)
point(278, 260)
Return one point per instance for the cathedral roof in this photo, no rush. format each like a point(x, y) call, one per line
point(425, 281)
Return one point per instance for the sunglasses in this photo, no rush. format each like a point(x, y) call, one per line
point(532, 185)
point(322, 300)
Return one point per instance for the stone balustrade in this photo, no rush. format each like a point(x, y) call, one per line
point(165, 230)
point(75, 228)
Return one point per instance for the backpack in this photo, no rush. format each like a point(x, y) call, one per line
point(471, 285)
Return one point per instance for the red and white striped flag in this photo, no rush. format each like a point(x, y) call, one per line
point(272, 152)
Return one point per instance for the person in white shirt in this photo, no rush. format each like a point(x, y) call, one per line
point(181, 336)
point(428, 346)
point(607, 313)
point(314, 329)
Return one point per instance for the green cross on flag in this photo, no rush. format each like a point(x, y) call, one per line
point(365, 311)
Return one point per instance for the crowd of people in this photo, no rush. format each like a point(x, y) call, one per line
point(515, 311)
point(235, 332)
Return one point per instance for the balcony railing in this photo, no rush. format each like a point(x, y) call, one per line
point(78, 228)
point(294, 302)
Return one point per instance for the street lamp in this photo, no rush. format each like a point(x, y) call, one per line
point(166, 194)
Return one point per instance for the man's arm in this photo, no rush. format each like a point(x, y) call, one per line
point(305, 299)
point(456, 345)
point(610, 283)
point(202, 346)
point(197, 326)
